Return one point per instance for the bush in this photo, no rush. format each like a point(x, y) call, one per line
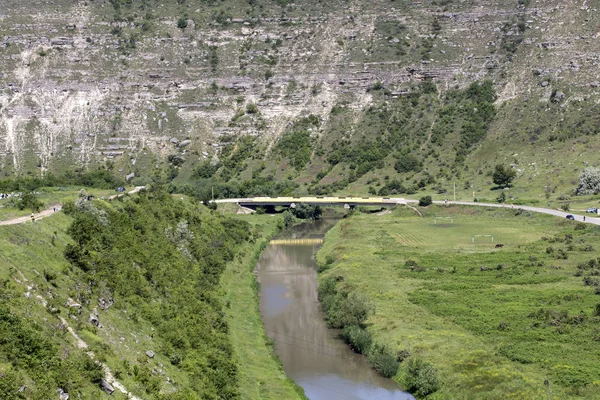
point(408, 163)
point(501, 198)
point(342, 308)
point(421, 378)
point(182, 23)
point(251, 108)
point(306, 211)
point(349, 309)
point(383, 361)
point(296, 146)
point(425, 201)
point(503, 176)
point(589, 181)
point(29, 201)
point(359, 339)
point(288, 219)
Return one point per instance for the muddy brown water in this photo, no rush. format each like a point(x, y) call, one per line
point(312, 354)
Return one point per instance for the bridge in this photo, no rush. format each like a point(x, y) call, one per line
point(347, 202)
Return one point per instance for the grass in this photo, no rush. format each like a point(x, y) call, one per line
point(51, 196)
point(473, 310)
point(32, 260)
point(261, 373)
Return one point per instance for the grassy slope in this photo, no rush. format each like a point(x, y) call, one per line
point(452, 319)
point(50, 197)
point(29, 250)
point(261, 374)
point(27, 253)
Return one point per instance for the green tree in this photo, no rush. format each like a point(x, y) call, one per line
point(29, 201)
point(408, 163)
point(589, 181)
point(503, 176)
point(421, 378)
point(425, 201)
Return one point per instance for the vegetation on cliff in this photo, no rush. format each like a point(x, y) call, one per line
point(147, 269)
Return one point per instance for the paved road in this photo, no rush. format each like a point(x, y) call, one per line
point(40, 215)
point(386, 201)
point(588, 219)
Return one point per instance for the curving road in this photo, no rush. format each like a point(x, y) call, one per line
point(588, 220)
point(384, 201)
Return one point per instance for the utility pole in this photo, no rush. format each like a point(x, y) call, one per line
point(454, 191)
point(547, 383)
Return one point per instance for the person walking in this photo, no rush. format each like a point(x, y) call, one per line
point(32, 217)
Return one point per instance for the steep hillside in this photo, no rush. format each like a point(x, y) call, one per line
point(128, 297)
point(131, 85)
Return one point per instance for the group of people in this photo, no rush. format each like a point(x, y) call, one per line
point(7, 195)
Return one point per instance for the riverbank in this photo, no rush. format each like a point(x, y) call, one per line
point(494, 322)
point(261, 375)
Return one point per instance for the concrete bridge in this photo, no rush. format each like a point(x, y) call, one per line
point(347, 202)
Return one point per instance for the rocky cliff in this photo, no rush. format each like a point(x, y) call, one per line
point(126, 83)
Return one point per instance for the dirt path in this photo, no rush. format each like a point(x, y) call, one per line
point(40, 215)
point(55, 208)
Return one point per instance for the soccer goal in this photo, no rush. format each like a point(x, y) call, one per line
point(443, 219)
point(475, 236)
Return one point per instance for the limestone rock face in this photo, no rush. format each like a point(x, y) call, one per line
point(91, 82)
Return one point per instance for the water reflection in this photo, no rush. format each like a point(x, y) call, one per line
point(310, 352)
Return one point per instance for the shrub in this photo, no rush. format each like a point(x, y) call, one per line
point(288, 219)
point(342, 308)
point(349, 309)
point(296, 146)
point(359, 339)
point(251, 108)
point(402, 355)
point(421, 378)
point(565, 207)
point(306, 211)
point(501, 198)
point(503, 176)
point(207, 169)
point(383, 361)
point(425, 201)
point(29, 201)
point(182, 23)
point(408, 163)
point(589, 181)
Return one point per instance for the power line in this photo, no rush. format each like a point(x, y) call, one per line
point(297, 338)
point(331, 390)
point(312, 350)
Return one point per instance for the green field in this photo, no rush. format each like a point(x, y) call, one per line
point(495, 322)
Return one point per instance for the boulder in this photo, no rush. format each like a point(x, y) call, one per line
point(107, 387)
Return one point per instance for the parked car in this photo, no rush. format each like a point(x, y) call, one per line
point(120, 189)
point(592, 210)
point(571, 217)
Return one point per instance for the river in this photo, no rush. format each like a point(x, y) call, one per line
point(312, 354)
